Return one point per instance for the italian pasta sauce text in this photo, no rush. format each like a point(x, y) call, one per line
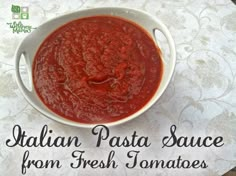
point(97, 69)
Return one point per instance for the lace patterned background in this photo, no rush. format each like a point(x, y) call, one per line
point(200, 100)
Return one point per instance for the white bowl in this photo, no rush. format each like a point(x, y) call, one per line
point(29, 46)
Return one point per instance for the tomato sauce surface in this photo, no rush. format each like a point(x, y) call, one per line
point(97, 69)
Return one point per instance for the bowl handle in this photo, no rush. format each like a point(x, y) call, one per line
point(22, 51)
point(163, 29)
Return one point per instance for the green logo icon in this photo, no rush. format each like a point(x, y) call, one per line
point(15, 9)
point(19, 12)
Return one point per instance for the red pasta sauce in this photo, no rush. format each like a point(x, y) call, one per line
point(97, 69)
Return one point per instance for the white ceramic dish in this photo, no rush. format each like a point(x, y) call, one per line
point(31, 43)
